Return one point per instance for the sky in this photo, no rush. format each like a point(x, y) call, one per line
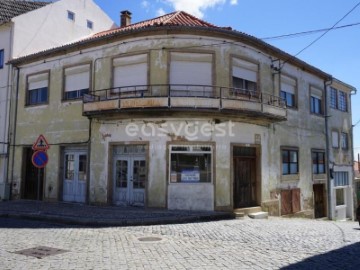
point(336, 53)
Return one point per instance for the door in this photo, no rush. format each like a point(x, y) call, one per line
point(319, 203)
point(244, 182)
point(129, 180)
point(74, 185)
point(33, 178)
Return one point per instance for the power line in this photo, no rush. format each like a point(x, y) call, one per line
point(292, 35)
point(318, 38)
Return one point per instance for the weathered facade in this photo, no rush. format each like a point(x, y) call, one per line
point(27, 27)
point(177, 113)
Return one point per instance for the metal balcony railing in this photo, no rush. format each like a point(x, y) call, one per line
point(184, 96)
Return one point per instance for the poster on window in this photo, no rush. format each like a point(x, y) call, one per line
point(190, 176)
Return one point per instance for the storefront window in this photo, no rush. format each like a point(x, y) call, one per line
point(190, 164)
point(340, 200)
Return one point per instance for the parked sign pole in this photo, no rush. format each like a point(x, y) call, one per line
point(40, 159)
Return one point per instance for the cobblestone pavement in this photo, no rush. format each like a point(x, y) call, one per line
point(231, 244)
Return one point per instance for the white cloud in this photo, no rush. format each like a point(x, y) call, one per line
point(145, 4)
point(160, 12)
point(196, 7)
point(233, 2)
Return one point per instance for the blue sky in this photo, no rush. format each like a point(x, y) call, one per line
point(337, 53)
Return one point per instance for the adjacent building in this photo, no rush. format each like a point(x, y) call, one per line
point(175, 112)
point(27, 27)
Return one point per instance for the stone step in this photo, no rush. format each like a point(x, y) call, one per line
point(259, 215)
point(248, 210)
point(239, 215)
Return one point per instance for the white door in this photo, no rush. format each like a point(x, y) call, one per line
point(74, 186)
point(129, 180)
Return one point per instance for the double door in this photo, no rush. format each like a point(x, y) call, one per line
point(74, 183)
point(129, 180)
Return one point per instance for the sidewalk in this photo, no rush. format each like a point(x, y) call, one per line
point(103, 216)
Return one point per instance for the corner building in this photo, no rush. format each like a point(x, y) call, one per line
point(177, 113)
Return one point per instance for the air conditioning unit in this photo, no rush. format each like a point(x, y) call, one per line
point(4, 191)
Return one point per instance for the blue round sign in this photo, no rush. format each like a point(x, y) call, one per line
point(40, 159)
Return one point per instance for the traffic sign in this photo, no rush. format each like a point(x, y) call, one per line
point(40, 159)
point(41, 144)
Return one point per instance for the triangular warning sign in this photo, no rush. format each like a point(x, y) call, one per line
point(41, 143)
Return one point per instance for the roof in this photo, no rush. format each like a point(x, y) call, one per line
point(12, 8)
point(178, 18)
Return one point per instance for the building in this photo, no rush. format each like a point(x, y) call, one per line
point(27, 27)
point(175, 112)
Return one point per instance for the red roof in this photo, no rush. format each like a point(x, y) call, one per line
point(179, 18)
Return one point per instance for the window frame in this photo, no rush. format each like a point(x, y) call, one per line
point(79, 91)
point(173, 175)
point(337, 146)
point(344, 135)
point(317, 164)
point(2, 58)
point(289, 150)
point(342, 101)
point(245, 82)
point(313, 101)
point(90, 24)
point(71, 15)
point(27, 91)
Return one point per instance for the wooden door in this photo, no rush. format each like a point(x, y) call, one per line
point(319, 202)
point(244, 182)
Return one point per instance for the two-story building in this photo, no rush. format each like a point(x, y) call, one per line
point(175, 112)
point(27, 27)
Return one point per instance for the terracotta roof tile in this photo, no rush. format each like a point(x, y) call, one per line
point(12, 8)
point(179, 18)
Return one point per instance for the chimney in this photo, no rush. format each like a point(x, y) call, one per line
point(125, 18)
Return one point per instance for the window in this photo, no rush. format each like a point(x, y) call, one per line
point(190, 164)
point(288, 90)
point(318, 160)
point(315, 101)
point(341, 179)
point(315, 106)
point(290, 161)
point(71, 15)
point(191, 74)
point(37, 92)
point(342, 101)
point(333, 98)
point(2, 58)
point(335, 139)
point(130, 73)
point(89, 24)
point(340, 198)
point(244, 76)
point(77, 81)
point(344, 141)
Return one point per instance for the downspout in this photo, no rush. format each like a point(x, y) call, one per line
point(327, 151)
point(14, 130)
point(354, 201)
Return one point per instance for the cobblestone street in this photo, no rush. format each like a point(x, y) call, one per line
point(232, 244)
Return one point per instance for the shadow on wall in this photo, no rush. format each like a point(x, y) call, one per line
point(347, 257)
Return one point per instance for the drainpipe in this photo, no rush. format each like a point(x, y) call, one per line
point(327, 151)
point(354, 201)
point(14, 131)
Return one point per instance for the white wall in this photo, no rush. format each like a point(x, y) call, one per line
point(50, 27)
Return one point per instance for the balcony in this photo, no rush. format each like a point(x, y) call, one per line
point(198, 98)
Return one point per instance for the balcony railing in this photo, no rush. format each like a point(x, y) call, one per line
point(173, 97)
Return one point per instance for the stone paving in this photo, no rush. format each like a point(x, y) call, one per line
point(229, 244)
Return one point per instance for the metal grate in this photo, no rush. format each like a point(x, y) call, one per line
point(40, 252)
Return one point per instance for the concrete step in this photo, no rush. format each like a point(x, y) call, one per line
point(259, 215)
point(239, 215)
point(248, 210)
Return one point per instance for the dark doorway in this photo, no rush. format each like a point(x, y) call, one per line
point(33, 178)
point(244, 162)
point(319, 203)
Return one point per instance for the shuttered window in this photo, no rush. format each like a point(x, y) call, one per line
point(77, 81)
point(37, 88)
point(244, 75)
point(130, 73)
point(191, 73)
point(288, 90)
